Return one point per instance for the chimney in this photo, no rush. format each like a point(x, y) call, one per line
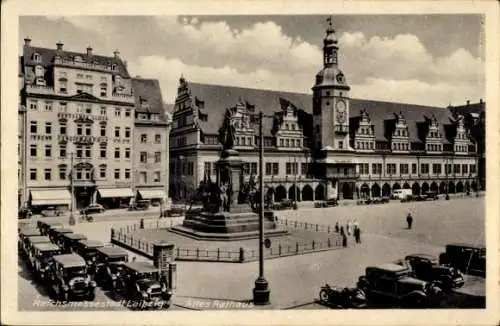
point(481, 101)
point(59, 46)
point(116, 54)
point(27, 41)
point(468, 102)
point(89, 51)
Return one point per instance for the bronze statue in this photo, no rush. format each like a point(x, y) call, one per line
point(227, 132)
point(223, 197)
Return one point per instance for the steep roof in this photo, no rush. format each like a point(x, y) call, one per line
point(47, 58)
point(217, 98)
point(148, 90)
point(469, 108)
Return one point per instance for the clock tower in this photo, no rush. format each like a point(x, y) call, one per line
point(331, 100)
point(335, 160)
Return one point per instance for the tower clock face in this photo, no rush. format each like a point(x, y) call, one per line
point(341, 111)
point(340, 78)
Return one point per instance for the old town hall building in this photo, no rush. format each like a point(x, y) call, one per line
point(325, 145)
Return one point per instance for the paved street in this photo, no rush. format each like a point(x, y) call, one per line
point(296, 280)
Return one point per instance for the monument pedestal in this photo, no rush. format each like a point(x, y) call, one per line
point(239, 222)
point(227, 226)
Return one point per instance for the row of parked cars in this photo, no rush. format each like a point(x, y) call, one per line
point(72, 266)
point(417, 281)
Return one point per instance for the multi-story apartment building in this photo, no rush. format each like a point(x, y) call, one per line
point(78, 127)
point(324, 145)
point(151, 133)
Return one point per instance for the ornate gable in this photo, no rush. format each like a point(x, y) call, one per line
point(461, 140)
point(364, 138)
point(400, 140)
point(288, 132)
point(433, 140)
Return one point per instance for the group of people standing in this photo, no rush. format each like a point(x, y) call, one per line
point(351, 227)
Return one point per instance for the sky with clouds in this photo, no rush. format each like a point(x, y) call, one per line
point(423, 59)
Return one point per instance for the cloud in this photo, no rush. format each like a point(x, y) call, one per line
point(262, 55)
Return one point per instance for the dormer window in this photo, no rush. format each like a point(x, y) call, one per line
point(78, 58)
point(37, 57)
point(113, 66)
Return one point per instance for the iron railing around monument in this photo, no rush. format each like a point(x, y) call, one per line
point(125, 237)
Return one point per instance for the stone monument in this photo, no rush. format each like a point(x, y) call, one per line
point(228, 211)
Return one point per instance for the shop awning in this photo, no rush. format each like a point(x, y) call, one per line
point(50, 197)
point(153, 193)
point(116, 192)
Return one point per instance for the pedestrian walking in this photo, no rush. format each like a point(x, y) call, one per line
point(337, 228)
point(409, 221)
point(356, 224)
point(357, 234)
point(349, 227)
point(344, 240)
point(342, 231)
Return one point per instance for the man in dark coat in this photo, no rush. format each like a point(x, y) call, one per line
point(357, 234)
point(409, 220)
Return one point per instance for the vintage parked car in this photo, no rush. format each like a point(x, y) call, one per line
point(52, 211)
point(29, 245)
point(69, 280)
point(140, 205)
point(56, 233)
point(42, 258)
point(24, 213)
point(342, 297)
point(24, 234)
point(45, 226)
point(68, 241)
point(395, 284)
point(284, 204)
point(109, 267)
point(332, 202)
point(142, 285)
point(431, 195)
point(467, 258)
point(175, 210)
point(88, 249)
point(427, 268)
point(92, 209)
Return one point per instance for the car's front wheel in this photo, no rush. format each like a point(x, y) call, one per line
point(323, 296)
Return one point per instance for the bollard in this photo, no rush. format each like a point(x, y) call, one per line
point(139, 244)
point(329, 243)
point(197, 253)
point(218, 253)
point(297, 247)
point(316, 227)
point(242, 255)
point(313, 245)
point(178, 252)
point(279, 249)
point(142, 224)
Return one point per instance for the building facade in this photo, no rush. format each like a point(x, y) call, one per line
point(79, 120)
point(151, 133)
point(322, 145)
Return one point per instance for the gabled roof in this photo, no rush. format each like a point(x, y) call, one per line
point(47, 58)
point(218, 98)
point(148, 91)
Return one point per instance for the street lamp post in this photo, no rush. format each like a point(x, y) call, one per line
point(72, 220)
point(261, 290)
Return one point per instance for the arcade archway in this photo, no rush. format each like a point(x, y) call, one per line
point(307, 193)
point(280, 193)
